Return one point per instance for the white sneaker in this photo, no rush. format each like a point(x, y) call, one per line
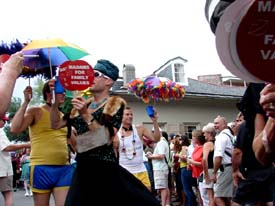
point(26, 194)
point(30, 193)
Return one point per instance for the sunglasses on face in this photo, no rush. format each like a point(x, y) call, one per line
point(99, 74)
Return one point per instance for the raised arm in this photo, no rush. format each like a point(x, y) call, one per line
point(9, 72)
point(23, 117)
point(156, 135)
point(56, 121)
point(264, 139)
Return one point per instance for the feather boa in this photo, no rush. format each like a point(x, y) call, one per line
point(11, 48)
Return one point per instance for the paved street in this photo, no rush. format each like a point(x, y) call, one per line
point(21, 200)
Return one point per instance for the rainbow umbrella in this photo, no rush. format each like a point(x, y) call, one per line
point(43, 56)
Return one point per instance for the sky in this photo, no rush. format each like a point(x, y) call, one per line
point(144, 33)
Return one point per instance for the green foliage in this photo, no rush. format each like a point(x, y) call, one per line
point(14, 106)
point(24, 136)
point(37, 97)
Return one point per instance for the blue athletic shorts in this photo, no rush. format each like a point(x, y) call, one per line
point(45, 178)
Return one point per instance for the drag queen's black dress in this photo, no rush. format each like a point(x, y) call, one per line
point(98, 178)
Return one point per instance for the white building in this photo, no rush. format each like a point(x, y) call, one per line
point(205, 98)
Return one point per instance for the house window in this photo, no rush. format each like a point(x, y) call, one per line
point(179, 72)
point(188, 128)
point(189, 131)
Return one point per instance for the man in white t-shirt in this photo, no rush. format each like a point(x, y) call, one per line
point(222, 174)
point(6, 172)
point(160, 159)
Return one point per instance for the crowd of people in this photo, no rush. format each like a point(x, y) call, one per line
point(220, 165)
point(216, 167)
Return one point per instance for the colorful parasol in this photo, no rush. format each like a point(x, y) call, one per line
point(155, 88)
point(42, 57)
point(50, 54)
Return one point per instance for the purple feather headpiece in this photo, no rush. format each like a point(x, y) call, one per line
point(11, 48)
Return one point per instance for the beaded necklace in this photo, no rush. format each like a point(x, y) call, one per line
point(96, 105)
point(123, 150)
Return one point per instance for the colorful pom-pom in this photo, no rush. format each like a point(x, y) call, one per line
point(155, 88)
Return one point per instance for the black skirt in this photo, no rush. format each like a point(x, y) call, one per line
point(100, 180)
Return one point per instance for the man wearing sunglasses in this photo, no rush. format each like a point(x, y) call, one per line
point(97, 164)
point(99, 74)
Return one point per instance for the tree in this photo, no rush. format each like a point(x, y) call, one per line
point(24, 136)
point(37, 97)
point(14, 106)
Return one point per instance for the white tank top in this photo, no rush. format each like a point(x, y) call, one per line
point(133, 163)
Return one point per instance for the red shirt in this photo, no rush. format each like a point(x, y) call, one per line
point(197, 156)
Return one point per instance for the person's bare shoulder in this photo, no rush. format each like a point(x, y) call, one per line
point(33, 109)
point(34, 112)
point(140, 128)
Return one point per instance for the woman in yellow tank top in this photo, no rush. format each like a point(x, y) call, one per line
point(177, 168)
point(185, 142)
